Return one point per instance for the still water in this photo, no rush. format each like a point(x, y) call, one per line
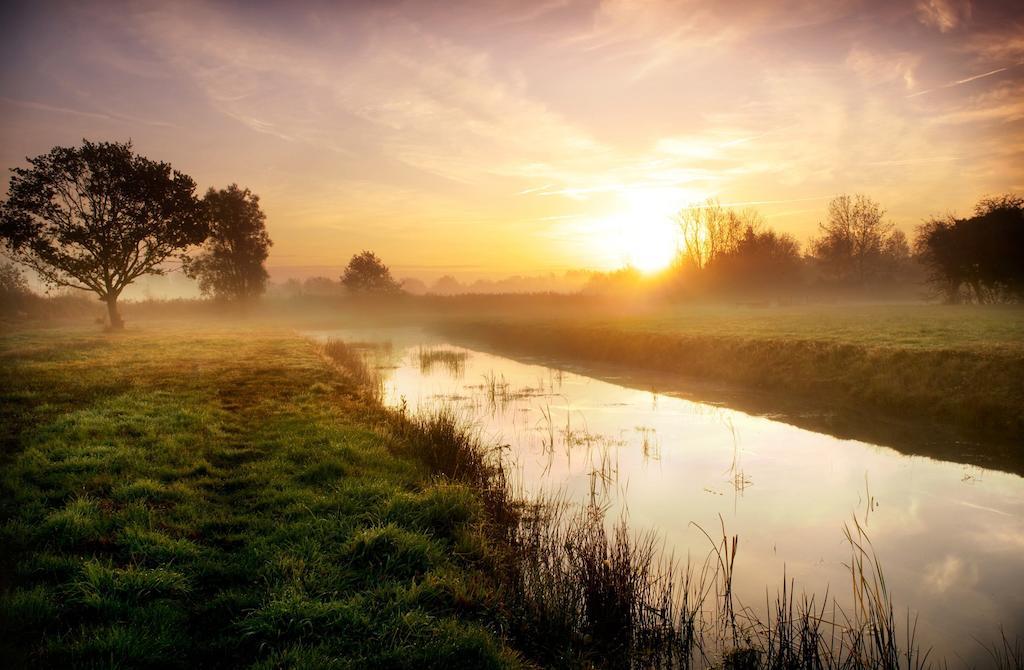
point(949, 537)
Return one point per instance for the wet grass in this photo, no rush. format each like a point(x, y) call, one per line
point(225, 499)
point(356, 360)
point(913, 326)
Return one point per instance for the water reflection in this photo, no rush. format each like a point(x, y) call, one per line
point(948, 536)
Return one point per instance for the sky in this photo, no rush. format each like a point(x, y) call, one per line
point(500, 137)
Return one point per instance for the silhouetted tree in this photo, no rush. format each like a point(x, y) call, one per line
point(231, 263)
point(705, 231)
point(980, 258)
point(857, 245)
point(447, 285)
point(366, 273)
point(413, 285)
point(321, 286)
point(97, 217)
point(14, 291)
point(760, 260)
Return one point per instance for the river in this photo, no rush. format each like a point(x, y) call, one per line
point(949, 537)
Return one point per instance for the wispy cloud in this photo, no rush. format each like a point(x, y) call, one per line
point(943, 15)
point(104, 116)
point(959, 82)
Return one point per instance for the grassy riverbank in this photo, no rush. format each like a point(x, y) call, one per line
point(239, 498)
point(964, 369)
point(187, 499)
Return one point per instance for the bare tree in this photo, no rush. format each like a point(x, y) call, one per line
point(855, 240)
point(707, 230)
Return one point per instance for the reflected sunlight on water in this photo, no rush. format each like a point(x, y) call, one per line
point(949, 537)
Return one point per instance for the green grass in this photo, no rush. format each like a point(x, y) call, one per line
point(910, 326)
point(177, 499)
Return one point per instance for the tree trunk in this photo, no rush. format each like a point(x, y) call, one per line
point(115, 317)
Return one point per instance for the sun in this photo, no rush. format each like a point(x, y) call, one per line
point(650, 245)
point(643, 232)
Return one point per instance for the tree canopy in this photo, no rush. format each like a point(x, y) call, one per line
point(99, 216)
point(366, 273)
point(980, 258)
point(230, 265)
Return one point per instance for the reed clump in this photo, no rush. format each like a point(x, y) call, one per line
point(453, 362)
point(581, 591)
point(354, 361)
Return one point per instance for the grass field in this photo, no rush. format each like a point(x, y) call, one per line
point(188, 499)
point(910, 325)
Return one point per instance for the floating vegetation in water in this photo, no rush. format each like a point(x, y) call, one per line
point(453, 362)
point(650, 446)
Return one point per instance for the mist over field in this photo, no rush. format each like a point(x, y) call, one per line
point(571, 334)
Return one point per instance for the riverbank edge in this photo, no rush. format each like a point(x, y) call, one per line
point(980, 391)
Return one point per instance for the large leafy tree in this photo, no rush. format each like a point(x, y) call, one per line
point(97, 217)
point(366, 273)
point(980, 258)
point(231, 263)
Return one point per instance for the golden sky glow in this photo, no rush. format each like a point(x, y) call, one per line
point(493, 138)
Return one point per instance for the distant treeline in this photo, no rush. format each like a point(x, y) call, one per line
point(571, 281)
point(98, 217)
point(857, 253)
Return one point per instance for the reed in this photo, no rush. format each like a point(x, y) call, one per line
point(353, 360)
point(453, 362)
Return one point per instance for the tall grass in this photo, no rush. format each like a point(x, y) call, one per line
point(453, 362)
point(580, 591)
point(354, 362)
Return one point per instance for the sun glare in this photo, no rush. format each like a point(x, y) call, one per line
point(650, 244)
point(642, 234)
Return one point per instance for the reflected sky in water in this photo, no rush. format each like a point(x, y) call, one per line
point(949, 537)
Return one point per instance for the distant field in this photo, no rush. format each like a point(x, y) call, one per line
point(896, 325)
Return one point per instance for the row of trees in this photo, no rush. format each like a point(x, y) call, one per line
point(97, 217)
point(980, 258)
point(723, 249)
